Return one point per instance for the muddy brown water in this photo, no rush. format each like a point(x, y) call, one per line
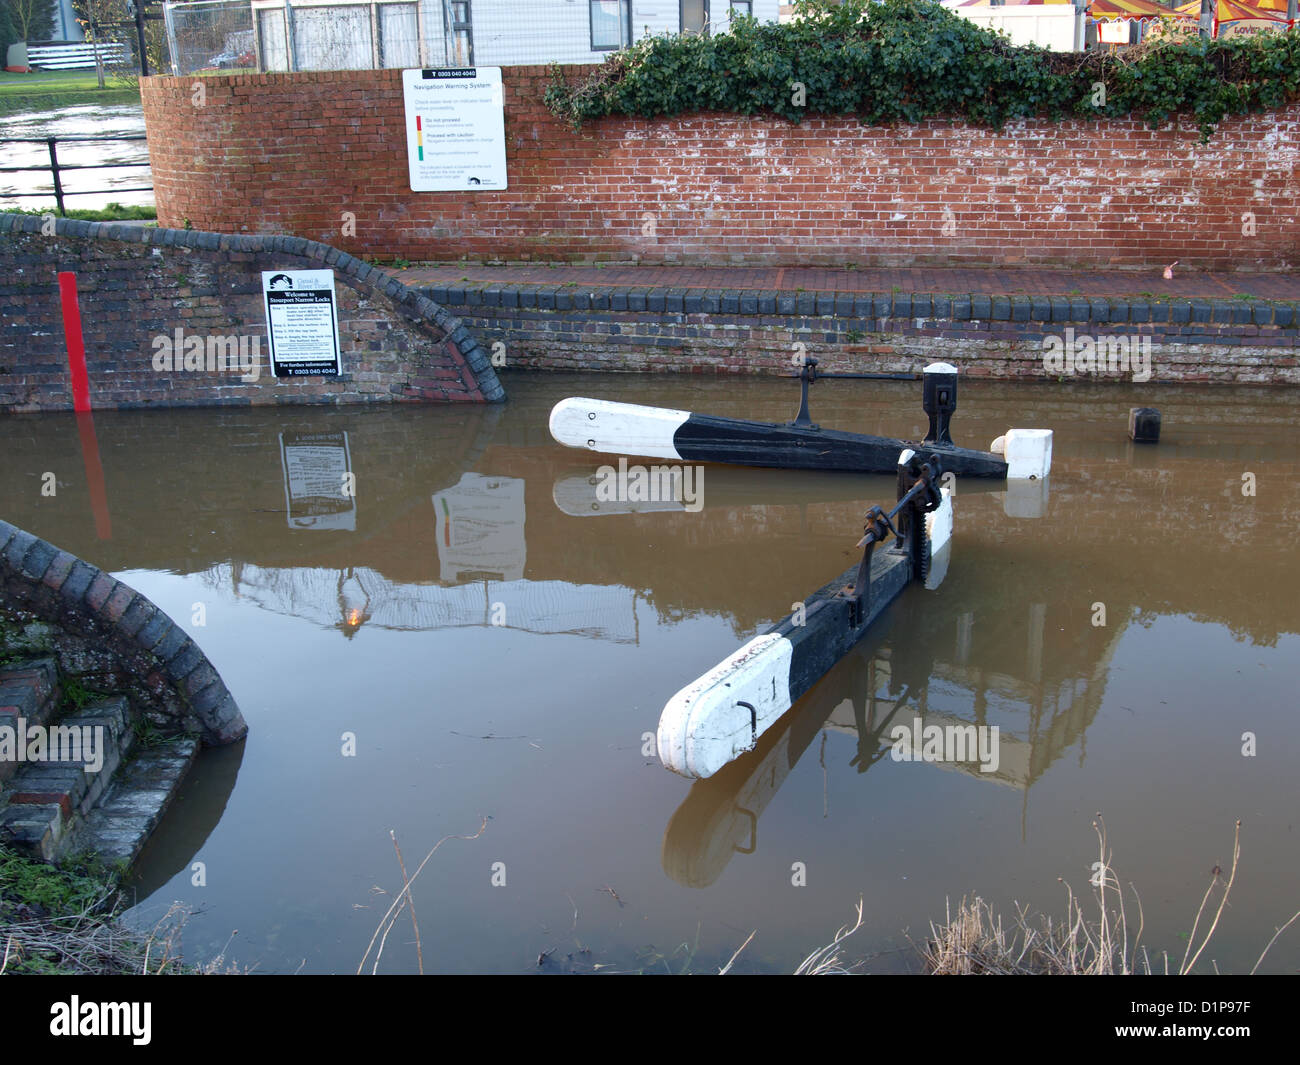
point(495, 651)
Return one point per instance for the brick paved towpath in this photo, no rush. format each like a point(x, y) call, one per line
point(1083, 282)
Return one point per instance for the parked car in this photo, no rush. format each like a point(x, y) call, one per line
point(232, 59)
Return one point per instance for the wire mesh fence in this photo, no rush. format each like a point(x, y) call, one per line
point(211, 35)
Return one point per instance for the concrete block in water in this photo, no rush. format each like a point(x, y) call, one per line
point(1028, 453)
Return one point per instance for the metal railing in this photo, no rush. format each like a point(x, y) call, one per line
point(76, 56)
point(55, 168)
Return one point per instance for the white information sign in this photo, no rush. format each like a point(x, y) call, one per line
point(1113, 32)
point(302, 323)
point(319, 490)
point(455, 129)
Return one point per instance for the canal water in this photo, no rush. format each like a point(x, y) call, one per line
point(476, 635)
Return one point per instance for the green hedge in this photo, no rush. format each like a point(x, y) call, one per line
point(909, 60)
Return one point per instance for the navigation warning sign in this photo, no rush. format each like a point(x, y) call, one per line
point(455, 129)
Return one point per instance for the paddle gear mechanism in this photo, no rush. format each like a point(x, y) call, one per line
point(807, 375)
point(918, 495)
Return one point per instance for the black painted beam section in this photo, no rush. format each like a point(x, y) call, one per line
point(708, 438)
point(828, 632)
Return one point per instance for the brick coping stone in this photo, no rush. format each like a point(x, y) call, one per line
point(61, 588)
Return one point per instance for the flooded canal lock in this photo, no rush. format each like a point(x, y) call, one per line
point(378, 643)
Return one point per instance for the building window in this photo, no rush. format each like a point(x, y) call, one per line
point(695, 16)
point(611, 24)
point(399, 35)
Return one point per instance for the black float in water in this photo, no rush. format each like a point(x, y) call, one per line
point(1144, 425)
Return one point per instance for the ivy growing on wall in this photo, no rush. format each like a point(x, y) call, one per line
point(908, 60)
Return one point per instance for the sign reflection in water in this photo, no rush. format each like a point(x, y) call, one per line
point(319, 486)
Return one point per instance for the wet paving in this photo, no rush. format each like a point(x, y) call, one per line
point(476, 635)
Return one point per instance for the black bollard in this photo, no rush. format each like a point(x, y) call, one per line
point(939, 401)
point(1144, 425)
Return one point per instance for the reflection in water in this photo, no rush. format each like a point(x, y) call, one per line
point(578, 494)
point(459, 511)
point(909, 673)
point(480, 526)
point(354, 603)
point(348, 599)
point(319, 485)
point(94, 475)
point(193, 815)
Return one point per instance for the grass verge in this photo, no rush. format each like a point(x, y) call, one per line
point(42, 82)
point(65, 920)
point(112, 212)
point(977, 941)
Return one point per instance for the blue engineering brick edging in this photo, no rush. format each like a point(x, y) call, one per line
point(60, 589)
point(593, 327)
point(881, 305)
point(322, 256)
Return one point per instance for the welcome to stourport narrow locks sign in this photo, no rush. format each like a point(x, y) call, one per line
point(302, 322)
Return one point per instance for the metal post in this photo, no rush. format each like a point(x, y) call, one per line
point(138, 7)
point(54, 169)
point(291, 44)
point(169, 22)
point(1206, 21)
point(423, 58)
point(807, 375)
point(1291, 13)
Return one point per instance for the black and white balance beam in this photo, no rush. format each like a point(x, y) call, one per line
point(720, 716)
point(659, 432)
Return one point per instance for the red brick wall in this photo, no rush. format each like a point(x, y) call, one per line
point(290, 153)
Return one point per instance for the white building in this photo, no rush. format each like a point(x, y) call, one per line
point(352, 35)
point(63, 23)
point(1056, 26)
